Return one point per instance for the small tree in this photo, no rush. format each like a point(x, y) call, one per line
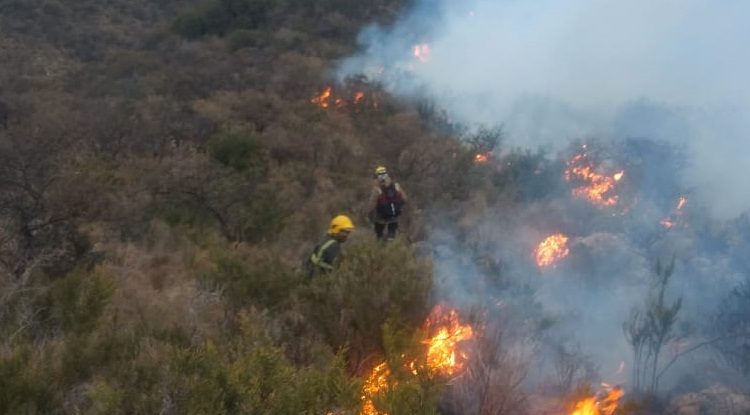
point(732, 328)
point(650, 328)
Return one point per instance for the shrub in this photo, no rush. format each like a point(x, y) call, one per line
point(241, 152)
point(372, 283)
point(264, 282)
point(220, 17)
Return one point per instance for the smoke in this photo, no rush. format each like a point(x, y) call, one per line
point(552, 71)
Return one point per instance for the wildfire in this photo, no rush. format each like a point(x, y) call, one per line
point(422, 52)
point(604, 406)
point(681, 203)
point(445, 331)
point(374, 384)
point(674, 218)
point(328, 99)
point(598, 188)
point(359, 96)
point(594, 406)
point(667, 223)
point(586, 407)
point(481, 158)
point(552, 250)
point(322, 99)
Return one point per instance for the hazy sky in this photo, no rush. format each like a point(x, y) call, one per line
point(553, 71)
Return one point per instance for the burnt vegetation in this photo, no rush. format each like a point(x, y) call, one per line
point(162, 173)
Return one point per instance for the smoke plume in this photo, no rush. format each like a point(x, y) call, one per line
point(552, 71)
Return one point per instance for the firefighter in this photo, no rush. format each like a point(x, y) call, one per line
point(386, 201)
point(323, 256)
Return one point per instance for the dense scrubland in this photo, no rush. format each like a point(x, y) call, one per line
point(163, 172)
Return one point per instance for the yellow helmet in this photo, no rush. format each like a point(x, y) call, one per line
point(340, 223)
point(380, 170)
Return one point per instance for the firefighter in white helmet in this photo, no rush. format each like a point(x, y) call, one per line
point(386, 201)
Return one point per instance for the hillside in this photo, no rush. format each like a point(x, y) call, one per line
point(166, 166)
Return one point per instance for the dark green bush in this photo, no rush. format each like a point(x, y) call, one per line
point(262, 283)
point(220, 17)
point(372, 284)
point(241, 152)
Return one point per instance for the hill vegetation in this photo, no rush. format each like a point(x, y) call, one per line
point(162, 173)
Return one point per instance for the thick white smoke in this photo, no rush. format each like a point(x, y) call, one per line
point(554, 70)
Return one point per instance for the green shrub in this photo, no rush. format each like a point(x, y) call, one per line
point(241, 152)
point(24, 389)
point(372, 284)
point(220, 17)
point(265, 282)
point(78, 300)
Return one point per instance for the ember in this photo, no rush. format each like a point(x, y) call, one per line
point(676, 216)
point(329, 99)
point(374, 384)
point(552, 250)
point(322, 99)
point(422, 52)
point(597, 188)
point(481, 158)
point(359, 96)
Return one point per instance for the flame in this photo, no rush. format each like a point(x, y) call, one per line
point(621, 368)
point(681, 202)
point(606, 406)
point(586, 407)
point(674, 218)
point(327, 99)
point(667, 223)
point(422, 52)
point(598, 187)
point(359, 96)
point(481, 158)
point(445, 333)
point(551, 250)
point(376, 382)
point(322, 99)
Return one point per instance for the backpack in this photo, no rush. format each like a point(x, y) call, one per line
point(389, 202)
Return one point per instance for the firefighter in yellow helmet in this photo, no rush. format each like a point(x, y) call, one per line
point(386, 201)
point(323, 256)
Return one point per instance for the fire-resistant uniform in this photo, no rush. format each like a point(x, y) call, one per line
point(324, 254)
point(387, 201)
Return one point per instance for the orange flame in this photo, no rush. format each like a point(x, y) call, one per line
point(445, 333)
point(376, 382)
point(481, 158)
point(328, 99)
point(422, 52)
point(594, 406)
point(674, 218)
point(322, 99)
point(598, 188)
point(681, 202)
point(667, 223)
point(552, 250)
point(359, 96)
point(586, 407)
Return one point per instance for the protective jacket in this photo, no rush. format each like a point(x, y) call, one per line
point(389, 201)
point(322, 257)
